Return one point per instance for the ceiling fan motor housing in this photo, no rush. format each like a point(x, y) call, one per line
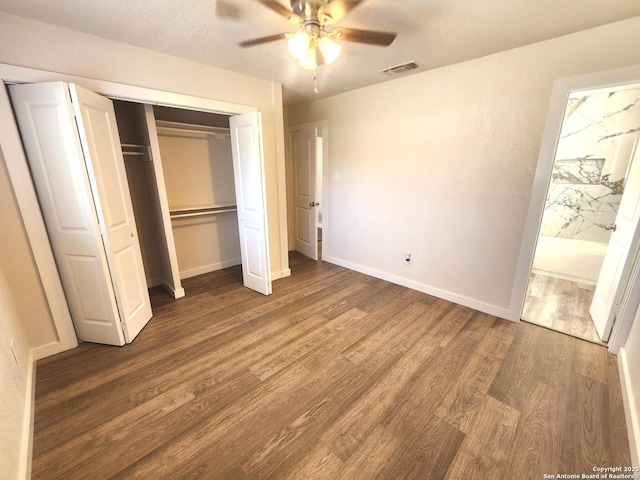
point(311, 11)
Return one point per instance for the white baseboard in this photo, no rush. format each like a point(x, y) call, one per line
point(281, 274)
point(275, 275)
point(209, 268)
point(176, 293)
point(495, 310)
point(26, 447)
point(586, 281)
point(631, 408)
point(159, 282)
point(52, 348)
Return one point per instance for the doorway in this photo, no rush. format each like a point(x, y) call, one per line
point(594, 154)
point(307, 147)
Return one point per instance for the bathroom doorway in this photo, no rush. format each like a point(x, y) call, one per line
point(598, 141)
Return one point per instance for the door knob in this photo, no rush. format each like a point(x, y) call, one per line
point(611, 226)
point(314, 204)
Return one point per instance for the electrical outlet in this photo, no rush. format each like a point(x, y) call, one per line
point(13, 350)
point(408, 258)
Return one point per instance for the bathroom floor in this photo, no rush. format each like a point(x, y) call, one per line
point(561, 305)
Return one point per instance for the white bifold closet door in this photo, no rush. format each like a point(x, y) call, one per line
point(71, 140)
point(248, 173)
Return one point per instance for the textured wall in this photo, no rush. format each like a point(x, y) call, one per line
point(15, 379)
point(631, 354)
point(20, 269)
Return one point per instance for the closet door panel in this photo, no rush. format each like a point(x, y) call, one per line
point(101, 146)
point(252, 242)
point(128, 267)
point(50, 137)
point(248, 169)
point(85, 271)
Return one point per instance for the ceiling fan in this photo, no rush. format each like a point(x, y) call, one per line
point(313, 44)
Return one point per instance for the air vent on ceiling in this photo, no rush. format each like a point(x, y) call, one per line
point(404, 67)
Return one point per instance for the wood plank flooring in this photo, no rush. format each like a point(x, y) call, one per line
point(561, 305)
point(337, 375)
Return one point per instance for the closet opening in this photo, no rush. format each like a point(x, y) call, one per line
point(196, 154)
point(182, 190)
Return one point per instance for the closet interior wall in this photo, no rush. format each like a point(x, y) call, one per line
point(137, 159)
point(195, 159)
point(197, 162)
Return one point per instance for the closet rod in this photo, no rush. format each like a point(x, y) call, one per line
point(199, 212)
point(135, 150)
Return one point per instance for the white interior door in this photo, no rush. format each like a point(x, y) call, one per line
point(248, 171)
point(103, 157)
point(303, 150)
point(49, 133)
point(620, 254)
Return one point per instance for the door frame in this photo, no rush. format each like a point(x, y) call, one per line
point(26, 198)
point(551, 134)
point(323, 126)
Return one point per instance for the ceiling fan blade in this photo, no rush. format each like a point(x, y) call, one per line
point(282, 11)
point(261, 40)
point(369, 37)
point(336, 9)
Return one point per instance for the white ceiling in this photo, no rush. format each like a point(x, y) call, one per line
point(432, 33)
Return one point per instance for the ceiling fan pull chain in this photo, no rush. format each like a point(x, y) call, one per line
point(315, 82)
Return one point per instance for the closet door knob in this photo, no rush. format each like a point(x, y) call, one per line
point(611, 226)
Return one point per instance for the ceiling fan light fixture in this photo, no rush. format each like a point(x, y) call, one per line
point(329, 49)
point(309, 60)
point(299, 44)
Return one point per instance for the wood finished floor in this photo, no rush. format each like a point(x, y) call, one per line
point(336, 375)
point(562, 305)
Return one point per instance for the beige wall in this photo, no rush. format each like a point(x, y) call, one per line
point(630, 356)
point(16, 381)
point(441, 164)
point(37, 45)
point(18, 264)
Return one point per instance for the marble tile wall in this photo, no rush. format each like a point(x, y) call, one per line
point(597, 138)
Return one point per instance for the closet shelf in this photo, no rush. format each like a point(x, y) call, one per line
point(167, 127)
point(202, 211)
